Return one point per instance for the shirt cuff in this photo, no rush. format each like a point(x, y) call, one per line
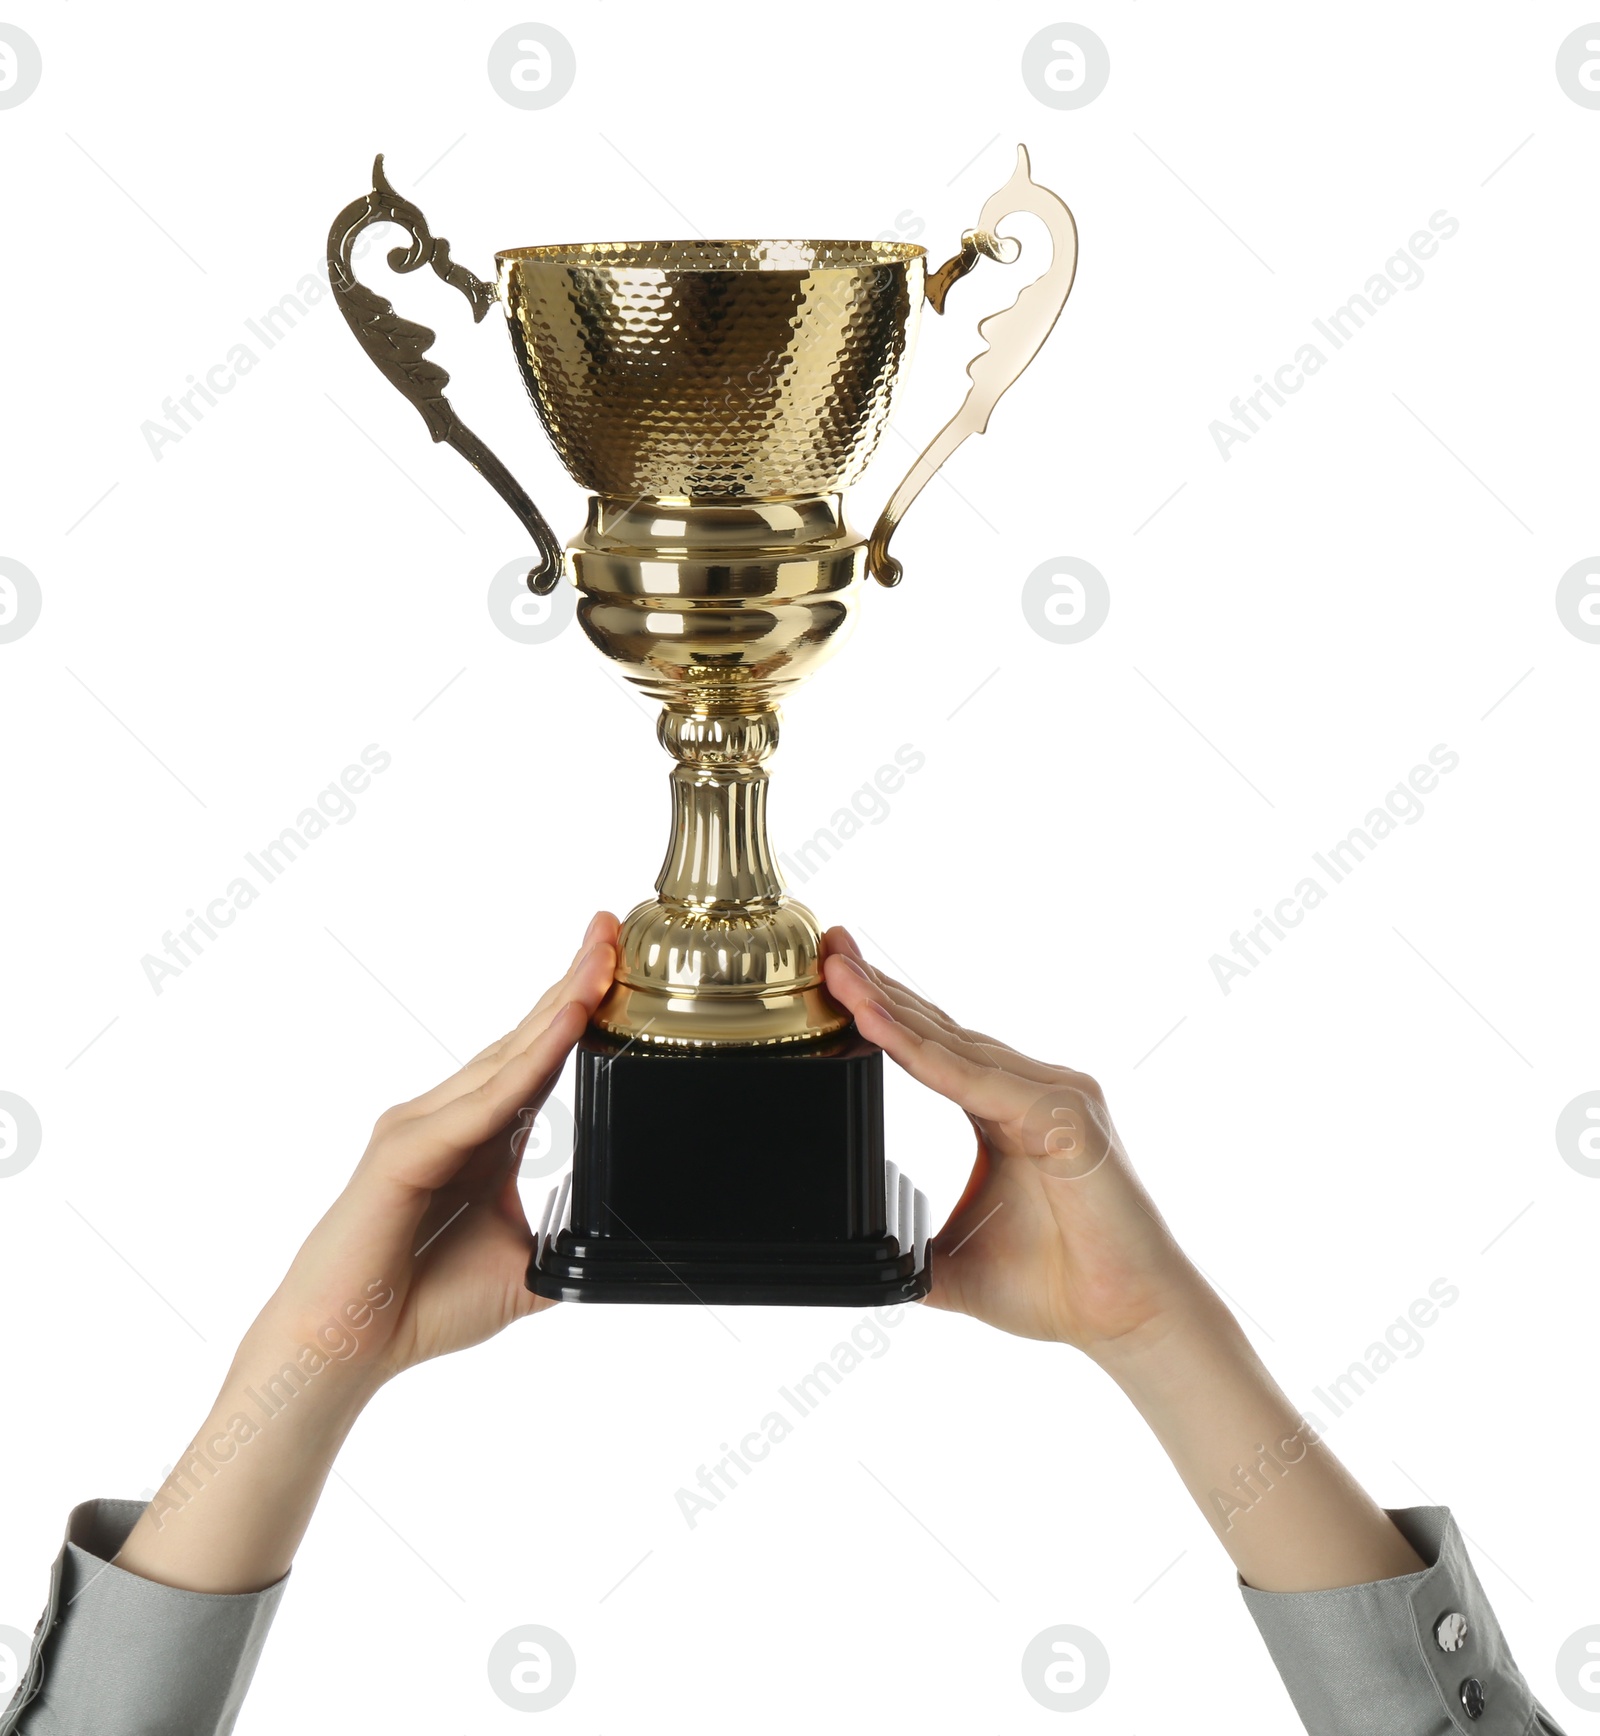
point(1422, 1653)
point(117, 1655)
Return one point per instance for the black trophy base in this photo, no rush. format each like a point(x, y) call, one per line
point(743, 1176)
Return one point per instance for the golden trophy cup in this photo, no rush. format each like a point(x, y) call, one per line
point(716, 398)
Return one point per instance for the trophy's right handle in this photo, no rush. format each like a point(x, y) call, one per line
point(1012, 336)
point(399, 348)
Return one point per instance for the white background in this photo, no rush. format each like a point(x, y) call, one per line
point(1289, 634)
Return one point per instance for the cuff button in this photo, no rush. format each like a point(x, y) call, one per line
point(1472, 1697)
point(1450, 1631)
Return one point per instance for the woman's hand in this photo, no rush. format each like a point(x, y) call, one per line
point(424, 1252)
point(429, 1237)
point(1053, 1237)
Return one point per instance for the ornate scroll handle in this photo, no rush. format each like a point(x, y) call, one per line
point(1013, 336)
point(400, 348)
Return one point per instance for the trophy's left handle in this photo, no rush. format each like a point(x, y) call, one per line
point(399, 348)
point(1013, 336)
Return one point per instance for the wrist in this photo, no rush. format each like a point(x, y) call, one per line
point(1175, 1345)
point(234, 1506)
point(289, 1379)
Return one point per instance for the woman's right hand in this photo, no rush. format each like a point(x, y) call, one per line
point(424, 1252)
point(1053, 1237)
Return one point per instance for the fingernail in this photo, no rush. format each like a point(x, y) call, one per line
point(852, 965)
point(883, 1012)
point(849, 943)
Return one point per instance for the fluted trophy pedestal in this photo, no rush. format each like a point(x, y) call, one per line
point(718, 611)
point(715, 398)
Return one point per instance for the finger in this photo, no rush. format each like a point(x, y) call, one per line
point(953, 1036)
point(602, 930)
point(924, 1016)
point(489, 1061)
point(587, 981)
point(474, 1266)
point(1002, 1054)
point(509, 1200)
point(982, 1166)
point(428, 1151)
point(946, 1291)
point(982, 1090)
point(899, 993)
point(486, 1182)
point(840, 939)
point(844, 968)
point(841, 944)
point(483, 1171)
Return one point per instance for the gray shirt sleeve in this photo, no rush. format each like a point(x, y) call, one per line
point(1421, 1655)
point(117, 1655)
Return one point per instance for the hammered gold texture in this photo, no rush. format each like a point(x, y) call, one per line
point(713, 370)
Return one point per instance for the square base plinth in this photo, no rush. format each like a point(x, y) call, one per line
point(732, 1176)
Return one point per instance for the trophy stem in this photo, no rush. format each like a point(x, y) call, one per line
point(719, 857)
point(722, 956)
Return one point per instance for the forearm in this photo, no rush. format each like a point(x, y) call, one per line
point(236, 1506)
point(1286, 1510)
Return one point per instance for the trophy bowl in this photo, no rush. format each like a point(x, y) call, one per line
point(713, 370)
